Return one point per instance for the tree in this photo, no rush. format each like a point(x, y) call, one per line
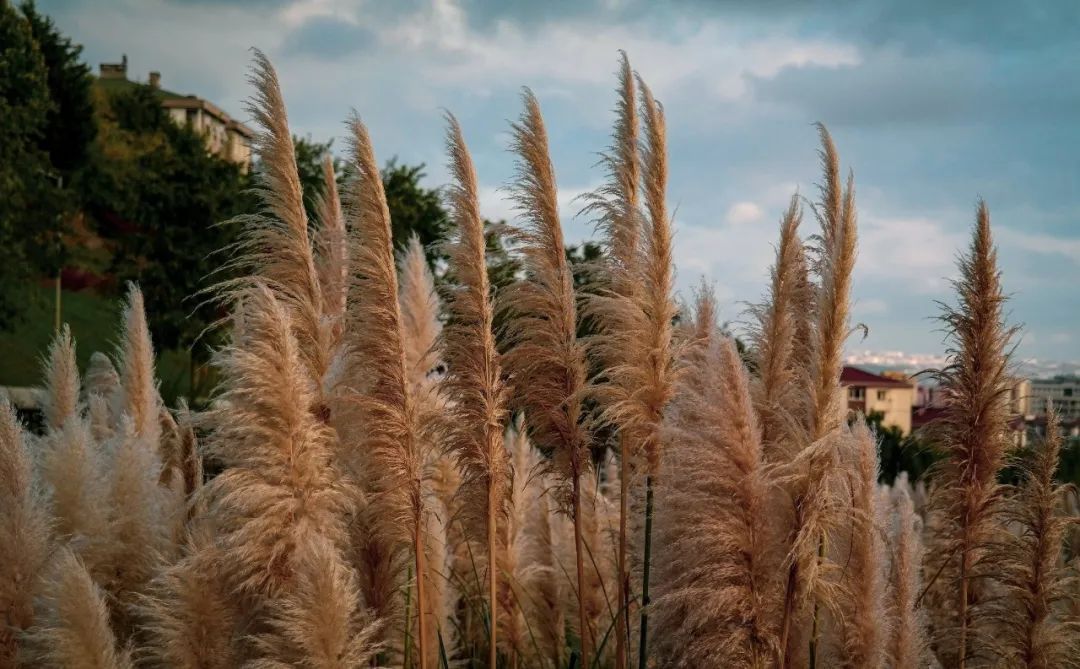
point(69, 123)
point(414, 208)
point(898, 453)
point(69, 128)
point(158, 197)
point(24, 167)
point(309, 158)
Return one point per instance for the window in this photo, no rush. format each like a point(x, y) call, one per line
point(856, 393)
point(1068, 392)
point(881, 395)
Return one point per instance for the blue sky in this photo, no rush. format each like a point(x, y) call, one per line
point(932, 104)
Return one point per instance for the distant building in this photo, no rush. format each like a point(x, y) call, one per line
point(225, 136)
point(892, 395)
point(1022, 417)
point(1063, 391)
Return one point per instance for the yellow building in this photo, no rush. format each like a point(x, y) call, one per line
point(225, 136)
point(891, 395)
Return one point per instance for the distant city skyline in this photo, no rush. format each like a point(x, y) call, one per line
point(910, 362)
point(932, 105)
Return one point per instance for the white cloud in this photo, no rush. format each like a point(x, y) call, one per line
point(580, 53)
point(1042, 244)
point(917, 252)
point(744, 212)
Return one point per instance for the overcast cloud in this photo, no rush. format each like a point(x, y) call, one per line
point(933, 106)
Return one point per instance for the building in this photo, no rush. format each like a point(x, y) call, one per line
point(225, 136)
point(891, 395)
point(1062, 391)
point(929, 408)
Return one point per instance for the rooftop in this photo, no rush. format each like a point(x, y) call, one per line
point(853, 376)
point(113, 79)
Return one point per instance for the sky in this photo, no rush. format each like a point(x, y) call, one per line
point(932, 105)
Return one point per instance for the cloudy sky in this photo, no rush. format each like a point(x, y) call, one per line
point(932, 104)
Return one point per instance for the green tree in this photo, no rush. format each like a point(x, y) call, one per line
point(415, 208)
point(898, 453)
point(69, 123)
point(309, 159)
point(24, 167)
point(69, 128)
point(158, 197)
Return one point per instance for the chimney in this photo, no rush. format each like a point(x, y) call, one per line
point(114, 70)
point(155, 80)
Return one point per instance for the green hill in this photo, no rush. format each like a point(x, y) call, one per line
point(94, 321)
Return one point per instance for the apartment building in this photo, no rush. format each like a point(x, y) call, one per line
point(225, 136)
point(1063, 391)
point(892, 395)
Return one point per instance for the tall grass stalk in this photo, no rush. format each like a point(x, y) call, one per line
point(635, 313)
point(616, 205)
point(1036, 632)
point(967, 500)
point(397, 431)
point(814, 467)
point(546, 360)
point(474, 375)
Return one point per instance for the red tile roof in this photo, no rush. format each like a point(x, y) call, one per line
point(853, 376)
point(921, 416)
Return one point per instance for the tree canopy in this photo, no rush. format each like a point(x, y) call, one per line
point(24, 166)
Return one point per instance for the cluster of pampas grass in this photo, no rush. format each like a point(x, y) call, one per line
point(398, 482)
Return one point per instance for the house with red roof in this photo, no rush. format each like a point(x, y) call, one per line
point(890, 394)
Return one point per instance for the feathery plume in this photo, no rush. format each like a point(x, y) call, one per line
point(647, 385)
point(397, 431)
point(1037, 583)
point(275, 248)
point(635, 344)
point(836, 214)
point(331, 248)
point(513, 597)
point(61, 381)
point(545, 359)
point(319, 624)
point(906, 647)
point(775, 387)
point(967, 500)
point(137, 395)
point(100, 384)
point(192, 618)
point(474, 377)
point(138, 535)
point(717, 564)
point(864, 620)
point(24, 534)
point(101, 377)
point(420, 326)
point(616, 206)
point(814, 469)
point(73, 624)
point(71, 469)
point(278, 491)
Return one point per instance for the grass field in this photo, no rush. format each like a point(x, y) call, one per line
point(93, 321)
